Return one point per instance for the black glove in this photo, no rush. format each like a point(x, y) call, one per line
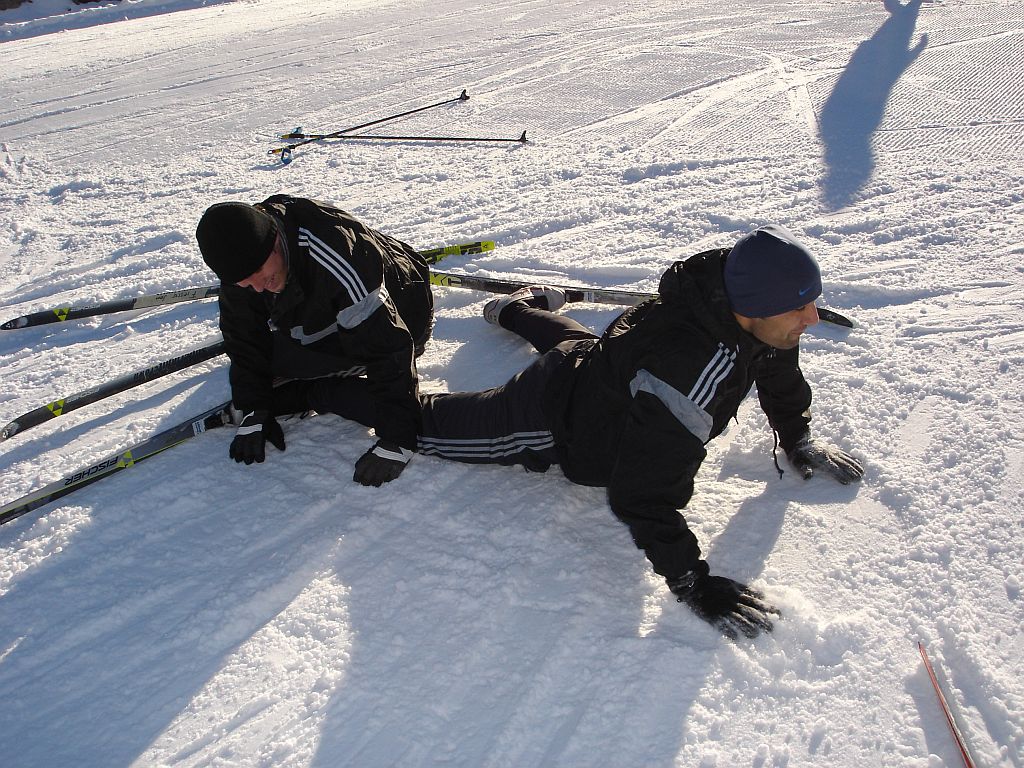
point(809, 454)
point(381, 464)
point(730, 607)
point(254, 430)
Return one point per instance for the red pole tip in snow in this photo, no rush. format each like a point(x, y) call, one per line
point(957, 735)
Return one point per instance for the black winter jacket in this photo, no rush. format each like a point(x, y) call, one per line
point(355, 296)
point(633, 410)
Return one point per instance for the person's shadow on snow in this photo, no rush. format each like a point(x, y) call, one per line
point(855, 108)
point(512, 639)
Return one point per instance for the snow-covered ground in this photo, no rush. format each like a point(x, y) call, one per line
point(194, 612)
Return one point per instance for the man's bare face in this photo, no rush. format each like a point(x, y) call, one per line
point(272, 275)
point(782, 331)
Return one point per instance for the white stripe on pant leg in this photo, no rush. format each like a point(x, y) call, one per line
point(483, 442)
point(483, 451)
point(486, 447)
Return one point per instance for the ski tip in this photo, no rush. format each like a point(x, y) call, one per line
point(522, 138)
point(18, 322)
point(463, 96)
point(831, 316)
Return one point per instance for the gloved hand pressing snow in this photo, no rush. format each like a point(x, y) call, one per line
point(381, 464)
point(809, 454)
point(729, 606)
point(254, 430)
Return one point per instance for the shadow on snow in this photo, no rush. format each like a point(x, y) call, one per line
point(855, 108)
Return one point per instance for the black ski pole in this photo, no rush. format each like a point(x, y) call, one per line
point(361, 136)
point(64, 405)
point(286, 151)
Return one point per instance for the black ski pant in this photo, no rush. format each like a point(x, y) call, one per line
point(502, 425)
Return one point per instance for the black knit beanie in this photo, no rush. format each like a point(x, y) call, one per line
point(769, 272)
point(235, 239)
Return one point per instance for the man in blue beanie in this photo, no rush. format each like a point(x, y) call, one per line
point(769, 274)
point(633, 409)
point(309, 291)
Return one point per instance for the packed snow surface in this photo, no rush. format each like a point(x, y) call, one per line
point(195, 612)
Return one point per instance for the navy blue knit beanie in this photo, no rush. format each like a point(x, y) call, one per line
point(769, 272)
point(235, 239)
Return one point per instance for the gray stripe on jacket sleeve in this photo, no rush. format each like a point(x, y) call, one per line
point(686, 412)
point(352, 316)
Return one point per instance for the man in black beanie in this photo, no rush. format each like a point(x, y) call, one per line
point(308, 291)
point(633, 409)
